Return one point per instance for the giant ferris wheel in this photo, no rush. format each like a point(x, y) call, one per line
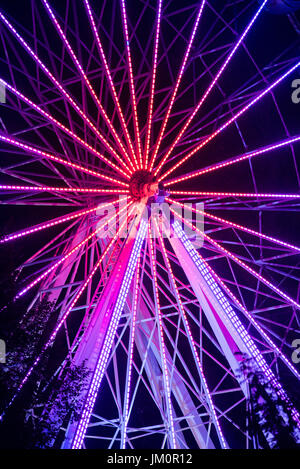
point(155, 139)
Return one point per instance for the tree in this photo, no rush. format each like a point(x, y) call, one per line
point(270, 420)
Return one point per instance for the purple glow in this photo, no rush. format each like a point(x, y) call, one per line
point(230, 121)
point(236, 323)
point(108, 342)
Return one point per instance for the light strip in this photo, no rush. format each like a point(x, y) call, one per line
point(109, 338)
point(4, 187)
point(181, 71)
point(66, 256)
point(85, 78)
point(230, 121)
point(234, 160)
point(110, 80)
point(77, 167)
point(234, 320)
point(130, 357)
point(152, 87)
point(239, 262)
point(191, 340)
point(54, 222)
point(214, 81)
point(63, 127)
point(131, 81)
point(235, 225)
point(162, 345)
point(61, 88)
point(64, 317)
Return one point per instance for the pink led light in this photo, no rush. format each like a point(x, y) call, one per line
point(112, 87)
point(63, 127)
point(191, 340)
point(235, 194)
point(152, 88)
point(162, 343)
point(235, 322)
point(61, 189)
point(61, 88)
point(65, 316)
point(85, 78)
point(214, 81)
point(235, 225)
point(78, 246)
point(230, 121)
point(239, 262)
point(132, 89)
point(36, 151)
point(109, 338)
point(51, 223)
point(185, 58)
point(130, 354)
point(231, 161)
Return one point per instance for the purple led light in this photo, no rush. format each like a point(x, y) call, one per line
point(108, 342)
point(191, 340)
point(66, 314)
point(63, 127)
point(234, 320)
point(66, 256)
point(178, 81)
point(162, 344)
point(43, 154)
point(61, 88)
point(110, 80)
point(230, 121)
point(237, 159)
point(214, 81)
point(85, 78)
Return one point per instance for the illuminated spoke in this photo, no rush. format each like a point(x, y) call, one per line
point(178, 81)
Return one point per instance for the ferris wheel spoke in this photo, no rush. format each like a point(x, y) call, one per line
point(36, 151)
point(234, 160)
point(258, 97)
point(111, 83)
point(211, 86)
point(85, 78)
point(249, 344)
point(251, 271)
point(53, 222)
point(239, 227)
point(63, 127)
point(191, 340)
point(59, 86)
point(64, 316)
point(162, 346)
point(177, 84)
point(75, 248)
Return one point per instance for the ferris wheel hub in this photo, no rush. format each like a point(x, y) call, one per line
point(143, 184)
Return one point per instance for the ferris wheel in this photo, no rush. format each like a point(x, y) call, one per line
point(157, 140)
